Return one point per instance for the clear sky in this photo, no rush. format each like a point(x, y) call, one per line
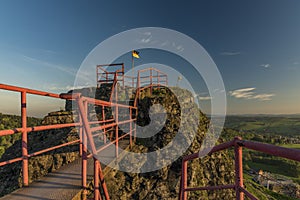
point(255, 45)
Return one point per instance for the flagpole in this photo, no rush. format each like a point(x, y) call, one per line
point(132, 62)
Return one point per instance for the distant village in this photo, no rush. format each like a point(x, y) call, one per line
point(276, 183)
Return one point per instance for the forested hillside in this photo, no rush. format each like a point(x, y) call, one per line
point(11, 122)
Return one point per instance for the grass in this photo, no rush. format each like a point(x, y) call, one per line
point(292, 146)
point(275, 165)
point(285, 126)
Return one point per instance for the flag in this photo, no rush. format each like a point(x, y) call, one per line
point(135, 54)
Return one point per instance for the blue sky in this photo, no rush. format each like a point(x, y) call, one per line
point(255, 45)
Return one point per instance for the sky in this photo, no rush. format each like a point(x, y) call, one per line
point(255, 45)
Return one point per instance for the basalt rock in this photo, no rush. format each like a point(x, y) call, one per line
point(182, 117)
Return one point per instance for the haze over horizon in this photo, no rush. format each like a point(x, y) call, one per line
point(255, 45)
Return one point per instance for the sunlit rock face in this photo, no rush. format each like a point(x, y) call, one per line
point(216, 169)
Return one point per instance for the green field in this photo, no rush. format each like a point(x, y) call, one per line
point(292, 146)
point(267, 125)
point(277, 130)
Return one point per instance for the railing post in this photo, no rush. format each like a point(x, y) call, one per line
point(24, 139)
point(117, 126)
point(183, 193)
point(103, 184)
point(84, 154)
point(166, 80)
point(103, 119)
point(80, 137)
point(238, 151)
point(158, 79)
point(138, 80)
point(96, 180)
point(138, 88)
point(151, 81)
point(130, 126)
point(84, 165)
point(133, 82)
point(136, 114)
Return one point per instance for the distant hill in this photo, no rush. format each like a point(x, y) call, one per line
point(284, 125)
point(265, 115)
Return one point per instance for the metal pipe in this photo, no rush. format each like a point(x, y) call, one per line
point(103, 184)
point(10, 161)
point(130, 127)
point(84, 166)
point(238, 152)
point(93, 129)
point(292, 154)
point(184, 180)
point(110, 143)
point(248, 194)
point(24, 139)
point(37, 128)
point(103, 119)
point(151, 81)
point(80, 142)
point(52, 148)
point(96, 180)
point(117, 126)
point(217, 148)
point(85, 123)
point(84, 156)
point(28, 91)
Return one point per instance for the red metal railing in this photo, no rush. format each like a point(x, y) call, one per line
point(130, 81)
point(150, 78)
point(24, 129)
point(238, 144)
point(86, 129)
point(108, 73)
point(146, 78)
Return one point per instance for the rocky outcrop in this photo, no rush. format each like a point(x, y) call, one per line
point(11, 175)
point(216, 169)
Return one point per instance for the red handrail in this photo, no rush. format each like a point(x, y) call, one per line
point(238, 144)
point(24, 129)
point(84, 129)
point(158, 80)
